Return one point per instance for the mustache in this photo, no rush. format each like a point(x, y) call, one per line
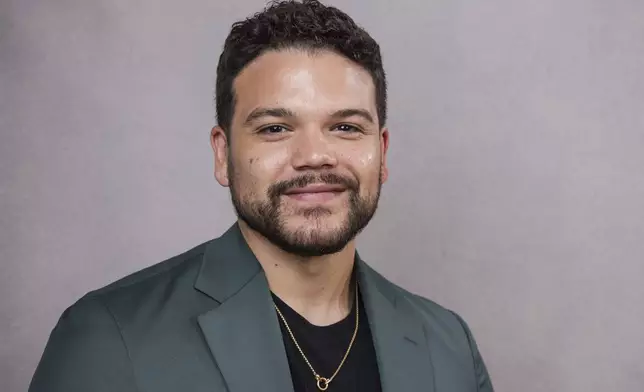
point(282, 187)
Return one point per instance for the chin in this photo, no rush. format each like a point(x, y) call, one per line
point(315, 223)
point(309, 243)
point(312, 236)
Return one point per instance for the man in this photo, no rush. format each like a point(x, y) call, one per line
point(282, 301)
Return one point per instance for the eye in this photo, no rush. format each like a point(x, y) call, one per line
point(348, 128)
point(272, 129)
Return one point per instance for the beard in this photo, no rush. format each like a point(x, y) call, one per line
point(268, 217)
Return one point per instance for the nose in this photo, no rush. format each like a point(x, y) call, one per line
point(312, 150)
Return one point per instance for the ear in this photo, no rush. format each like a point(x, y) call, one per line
point(219, 144)
point(384, 147)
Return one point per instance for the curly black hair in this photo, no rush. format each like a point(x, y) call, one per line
point(307, 25)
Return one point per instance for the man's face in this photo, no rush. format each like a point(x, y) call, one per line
point(305, 159)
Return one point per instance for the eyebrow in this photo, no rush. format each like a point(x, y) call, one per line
point(268, 112)
point(344, 113)
point(286, 113)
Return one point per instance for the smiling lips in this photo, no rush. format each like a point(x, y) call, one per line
point(316, 192)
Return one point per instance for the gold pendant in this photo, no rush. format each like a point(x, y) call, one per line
point(323, 383)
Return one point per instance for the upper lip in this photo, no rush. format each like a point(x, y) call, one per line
point(317, 188)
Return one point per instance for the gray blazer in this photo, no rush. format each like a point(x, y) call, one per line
point(204, 321)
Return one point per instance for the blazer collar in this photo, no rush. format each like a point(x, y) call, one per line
point(244, 336)
point(228, 264)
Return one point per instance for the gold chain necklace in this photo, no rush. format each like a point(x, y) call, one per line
point(323, 382)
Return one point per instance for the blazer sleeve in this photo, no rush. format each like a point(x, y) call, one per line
point(85, 352)
point(484, 383)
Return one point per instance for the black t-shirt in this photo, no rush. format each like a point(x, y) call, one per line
point(325, 346)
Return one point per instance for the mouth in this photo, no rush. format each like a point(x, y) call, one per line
point(316, 192)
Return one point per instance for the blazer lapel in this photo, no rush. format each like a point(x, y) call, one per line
point(399, 338)
point(243, 332)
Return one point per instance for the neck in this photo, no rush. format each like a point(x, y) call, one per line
point(318, 288)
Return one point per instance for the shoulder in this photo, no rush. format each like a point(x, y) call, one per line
point(449, 336)
point(435, 313)
point(443, 322)
point(90, 340)
point(422, 307)
point(440, 322)
point(120, 303)
point(448, 330)
point(160, 272)
point(86, 345)
point(178, 272)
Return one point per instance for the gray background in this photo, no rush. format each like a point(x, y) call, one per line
point(516, 194)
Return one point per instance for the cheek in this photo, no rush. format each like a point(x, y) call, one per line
point(258, 169)
point(271, 163)
point(365, 163)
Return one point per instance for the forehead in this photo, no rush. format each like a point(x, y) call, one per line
point(305, 82)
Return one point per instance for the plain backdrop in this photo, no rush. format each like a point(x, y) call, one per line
point(516, 195)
